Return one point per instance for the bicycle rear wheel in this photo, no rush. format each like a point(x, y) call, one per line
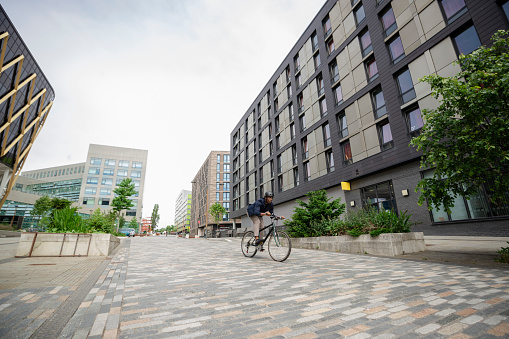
point(248, 249)
point(279, 246)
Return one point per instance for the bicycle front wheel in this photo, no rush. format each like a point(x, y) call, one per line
point(248, 249)
point(280, 246)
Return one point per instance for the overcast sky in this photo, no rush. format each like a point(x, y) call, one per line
point(170, 76)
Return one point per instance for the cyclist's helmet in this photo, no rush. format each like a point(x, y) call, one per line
point(269, 194)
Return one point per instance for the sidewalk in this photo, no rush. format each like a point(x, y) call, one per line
point(86, 297)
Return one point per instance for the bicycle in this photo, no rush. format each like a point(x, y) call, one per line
point(279, 244)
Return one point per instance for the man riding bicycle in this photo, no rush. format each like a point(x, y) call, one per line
point(257, 210)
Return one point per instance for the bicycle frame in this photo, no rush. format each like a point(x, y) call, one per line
point(272, 228)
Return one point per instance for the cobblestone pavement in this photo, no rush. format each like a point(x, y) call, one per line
point(191, 288)
point(164, 287)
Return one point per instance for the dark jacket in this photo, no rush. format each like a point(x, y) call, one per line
point(259, 207)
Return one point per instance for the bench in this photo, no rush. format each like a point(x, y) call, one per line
point(241, 231)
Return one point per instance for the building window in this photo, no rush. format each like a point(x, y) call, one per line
point(107, 181)
point(314, 41)
point(359, 15)
point(384, 131)
point(226, 158)
point(289, 91)
point(276, 105)
point(327, 28)
point(323, 107)
point(278, 145)
point(379, 103)
point(329, 158)
point(292, 130)
point(467, 41)
point(326, 135)
point(137, 164)
point(334, 72)
point(280, 183)
point(505, 7)
point(389, 22)
point(406, 86)
point(396, 49)
point(290, 112)
point(305, 150)
point(317, 61)
point(347, 153)
point(123, 163)
point(453, 9)
point(135, 174)
point(371, 69)
point(319, 85)
point(338, 95)
point(105, 191)
point(298, 80)
point(414, 121)
point(307, 171)
point(477, 207)
point(109, 162)
point(343, 126)
point(218, 195)
point(330, 46)
point(90, 190)
point(88, 201)
point(108, 171)
point(122, 173)
point(226, 176)
point(295, 177)
point(380, 197)
point(95, 161)
point(366, 43)
point(296, 63)
point(218, 176)
point(300, 102)
point(94, 170)
point(218, 167)
point(135, 182)
point(294, 155)
point(104, 201)
point(92, 180)
point(226, 186)
point(302, 121)
point(226, 167)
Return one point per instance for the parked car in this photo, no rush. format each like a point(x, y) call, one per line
point(129, 232)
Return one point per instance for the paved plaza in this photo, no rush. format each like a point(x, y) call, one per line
point(167, 287)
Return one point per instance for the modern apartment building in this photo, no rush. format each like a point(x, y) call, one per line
point(91, 183)
point(183, 212)
point(211, 185)
point(340, 111)
point(26, 98)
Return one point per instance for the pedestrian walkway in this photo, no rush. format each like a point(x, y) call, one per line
point(164, 287)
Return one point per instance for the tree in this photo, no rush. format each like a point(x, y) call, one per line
point(133, 224)
point(466, 138)
point(217, 211)
point(155, 216)
point(123, 192)
point(305, 219)
point(41, 208)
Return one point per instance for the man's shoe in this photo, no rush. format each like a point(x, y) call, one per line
point(257, 242)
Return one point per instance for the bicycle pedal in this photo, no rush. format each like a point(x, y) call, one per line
point(262, 249)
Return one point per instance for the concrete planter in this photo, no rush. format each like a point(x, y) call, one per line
point(66, 244)
point(387, 244)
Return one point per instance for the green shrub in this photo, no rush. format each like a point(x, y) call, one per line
point(313, 219)
point(103, 222)
point(66, 220)
point(504, 254)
